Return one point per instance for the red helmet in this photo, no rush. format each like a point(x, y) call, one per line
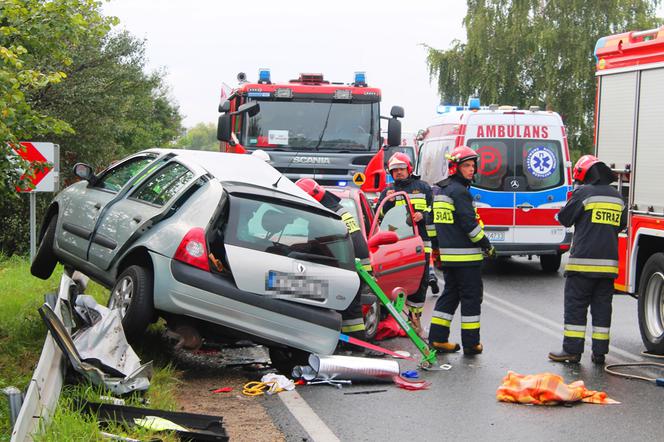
point(311, 187)
point(459, 155)
point(399, 161)
point(582, 166)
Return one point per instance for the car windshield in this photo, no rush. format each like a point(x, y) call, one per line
point(518, 165)
point(269, 226)
point(309, 125)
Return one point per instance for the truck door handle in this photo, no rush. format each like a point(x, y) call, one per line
point(98, 206)
point(137, 219)
point(418, 249)
point(525, 206)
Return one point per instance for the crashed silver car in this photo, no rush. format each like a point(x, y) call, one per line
point(212, 242)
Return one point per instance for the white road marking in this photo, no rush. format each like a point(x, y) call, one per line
point(551, 328)
point(302, 412)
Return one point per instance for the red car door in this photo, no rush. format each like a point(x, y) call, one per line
point(400, 264)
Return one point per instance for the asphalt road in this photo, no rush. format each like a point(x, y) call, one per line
point(521, 321)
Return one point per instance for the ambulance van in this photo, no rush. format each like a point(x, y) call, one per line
point(523, 178)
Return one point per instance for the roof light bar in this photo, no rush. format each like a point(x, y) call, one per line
point(264, 76)
point(360, 79)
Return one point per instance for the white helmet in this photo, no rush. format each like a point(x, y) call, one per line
point(261, 154)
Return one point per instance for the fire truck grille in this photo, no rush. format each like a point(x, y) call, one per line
point(308, 171)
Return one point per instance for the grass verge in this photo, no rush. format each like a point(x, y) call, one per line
point(22, 334)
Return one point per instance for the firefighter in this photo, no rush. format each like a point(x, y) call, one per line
point(462, 247)
point(421, 199)
point(598, 213)
point(352, 320)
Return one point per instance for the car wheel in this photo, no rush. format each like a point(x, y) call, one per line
point(651, 304)
point(550, 263)
point(132, 295)
point(372, 319)
point(284, 359)
point(45, 260)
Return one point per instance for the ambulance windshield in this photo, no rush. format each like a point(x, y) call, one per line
point(309, 125)
point(518, 165)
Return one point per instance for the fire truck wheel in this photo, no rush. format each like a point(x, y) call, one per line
point(550, 263)
point(45, 260)
point(651, 304)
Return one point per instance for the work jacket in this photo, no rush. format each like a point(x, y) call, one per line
point(459, 231)
point(597, 213)
point(421, 200)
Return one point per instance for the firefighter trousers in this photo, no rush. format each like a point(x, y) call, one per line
point(352, 320)
point(462, 285)
point(581, 292)
point(415, 302)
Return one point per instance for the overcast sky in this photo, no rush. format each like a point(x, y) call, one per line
point(202, 43)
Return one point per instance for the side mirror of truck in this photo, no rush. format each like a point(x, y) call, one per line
point(251, 108)
point(224, 107)
point(224, 128)
point(393, 132)
point(397, 112)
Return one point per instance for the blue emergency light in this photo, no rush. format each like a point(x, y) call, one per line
point(360, 79)
point(264, 75)
point(474, 103)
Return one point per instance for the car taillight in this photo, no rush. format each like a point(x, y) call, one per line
point(563, 247)
point(192, 250)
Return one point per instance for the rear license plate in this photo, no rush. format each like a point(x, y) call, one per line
point(495, 236)
point(293, 285)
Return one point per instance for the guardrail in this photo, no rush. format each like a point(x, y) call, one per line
point(47, 379)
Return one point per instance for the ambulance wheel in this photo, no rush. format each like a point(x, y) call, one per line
point(651, 304)
point(550, 263)
point(284, 359)
point(371, 320)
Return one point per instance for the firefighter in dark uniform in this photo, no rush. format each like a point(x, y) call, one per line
point(352, 321)
point(421, 199)
point(598, 213)
point(462, 247)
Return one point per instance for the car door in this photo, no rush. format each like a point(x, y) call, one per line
point(82, 203)
point(124, 217)
point(400, 264)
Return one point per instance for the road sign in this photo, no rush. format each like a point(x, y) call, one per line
point(359, 178)
point(46, 179)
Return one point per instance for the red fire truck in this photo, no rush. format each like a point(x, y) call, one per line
point(629, 136)
point(311, 128)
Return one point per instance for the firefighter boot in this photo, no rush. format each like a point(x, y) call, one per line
point(473, 349)
point(446, 347)
point(597, 358)
point(433, 281)
point(563, 356)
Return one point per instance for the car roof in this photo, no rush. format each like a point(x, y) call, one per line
point(240, 168)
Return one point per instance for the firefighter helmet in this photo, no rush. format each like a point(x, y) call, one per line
point(399, 161)
point(582, 167)
point(311, 187)
point(459, 155)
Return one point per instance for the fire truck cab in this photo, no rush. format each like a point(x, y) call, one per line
point(523, 177)
point(629, 137)
point(310, 127)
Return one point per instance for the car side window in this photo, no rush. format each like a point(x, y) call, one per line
point(397, 220)
point(164, 184)
point(116, 177)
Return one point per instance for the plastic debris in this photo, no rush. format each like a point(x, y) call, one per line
point(410, 374)
point(403, 353)
point(410, 385)
point(223, 390)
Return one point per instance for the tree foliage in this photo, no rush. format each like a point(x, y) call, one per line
point(203, 136)
point(536, 52)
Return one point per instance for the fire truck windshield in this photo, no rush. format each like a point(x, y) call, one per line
point(309, 125)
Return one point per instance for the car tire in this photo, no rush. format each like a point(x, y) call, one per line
point(284, 359)
point(132, 295)
point(45, 260)
point(651, 304)
point(550, 263)
point(372, 319)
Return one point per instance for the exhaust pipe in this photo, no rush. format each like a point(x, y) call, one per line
point(348, 367)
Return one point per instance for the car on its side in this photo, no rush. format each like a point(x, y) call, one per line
point(209, 241)
point(396, 265)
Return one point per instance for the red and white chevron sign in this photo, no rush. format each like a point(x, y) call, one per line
point(44, 179)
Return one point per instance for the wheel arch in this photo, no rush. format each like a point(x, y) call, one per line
point(52, 210)
point(647, 245)
point(138, 256)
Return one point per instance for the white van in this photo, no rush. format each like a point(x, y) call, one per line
point(523, 178)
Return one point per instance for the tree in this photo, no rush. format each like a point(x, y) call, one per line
point(203, 136)
point(30, 31)
point(536, 52)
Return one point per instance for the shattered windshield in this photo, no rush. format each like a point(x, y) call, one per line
point(304, 125)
